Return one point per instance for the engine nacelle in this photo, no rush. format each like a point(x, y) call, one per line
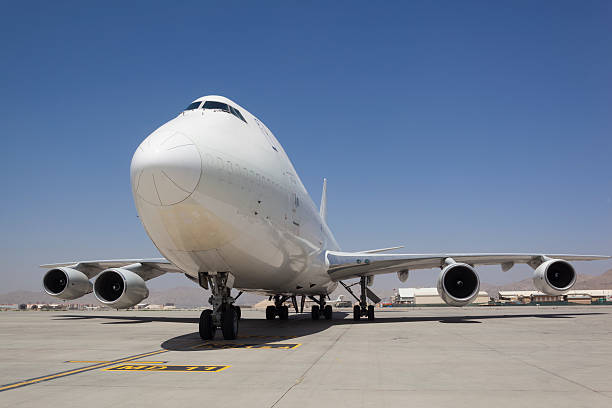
point(554, 277)
point(120, 288)
point(403, 275)
point(458, 284)
point(66, 283)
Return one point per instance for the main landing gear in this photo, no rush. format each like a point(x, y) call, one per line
point(282, 311)
point(362, 309)
point(224, 315)
point(278, 309)
point(320, 309)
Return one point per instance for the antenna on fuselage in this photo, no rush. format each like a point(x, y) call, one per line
point(323, 209)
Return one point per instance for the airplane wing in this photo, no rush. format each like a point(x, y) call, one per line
point(153, 267)
point(346, 265)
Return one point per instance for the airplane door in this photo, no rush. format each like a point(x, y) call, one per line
point(295, 213)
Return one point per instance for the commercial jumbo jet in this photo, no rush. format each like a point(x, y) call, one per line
point(220, 199)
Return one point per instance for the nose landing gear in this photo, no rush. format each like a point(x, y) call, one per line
point(224, 314)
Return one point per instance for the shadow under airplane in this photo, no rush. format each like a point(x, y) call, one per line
point(262, 333)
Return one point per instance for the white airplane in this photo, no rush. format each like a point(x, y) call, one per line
point(341, 302)
point(338, 302)
point(220, 199)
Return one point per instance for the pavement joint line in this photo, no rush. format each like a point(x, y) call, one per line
point(301, 378)
point(586, 387)
point(61, 374)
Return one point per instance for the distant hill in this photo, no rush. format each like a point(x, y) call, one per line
point(603, 281)
point(583, 281)
point(181, 296)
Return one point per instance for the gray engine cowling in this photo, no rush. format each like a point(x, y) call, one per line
point(66, 283)
point(458, 284)
point(120, 288)
point(554, 277)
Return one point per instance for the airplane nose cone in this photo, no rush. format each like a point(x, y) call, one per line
point(166, 168)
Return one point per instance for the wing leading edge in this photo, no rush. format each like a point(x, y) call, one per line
point(346, 265)
point(156, 266)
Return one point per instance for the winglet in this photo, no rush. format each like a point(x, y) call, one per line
point(323, 210)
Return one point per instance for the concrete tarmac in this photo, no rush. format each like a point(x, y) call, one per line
point(421, 357)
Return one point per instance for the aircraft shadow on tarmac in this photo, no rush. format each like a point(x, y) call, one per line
point(261, 333)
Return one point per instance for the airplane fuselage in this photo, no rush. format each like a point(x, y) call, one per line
point(216, 192)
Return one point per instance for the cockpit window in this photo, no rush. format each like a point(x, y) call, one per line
point(216, 105)
point(193, 105)
point(237, 114)
point(224, 107)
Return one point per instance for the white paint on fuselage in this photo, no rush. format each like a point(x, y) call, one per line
point(240, 207)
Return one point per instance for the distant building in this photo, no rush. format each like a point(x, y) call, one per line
point(153, 307)
point(582, 296)
point(429, 296)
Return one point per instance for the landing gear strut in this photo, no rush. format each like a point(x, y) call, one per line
point(224, 315)
point(320, 309)
point(362, 309)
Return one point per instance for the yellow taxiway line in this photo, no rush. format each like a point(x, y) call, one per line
point(76, 371)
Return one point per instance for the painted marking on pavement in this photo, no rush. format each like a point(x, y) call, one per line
point(261, 336)
point(282, 346)
point(107, 361)
point(76, 371)
point(149, 367)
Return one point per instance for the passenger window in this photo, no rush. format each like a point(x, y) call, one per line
point(193, 105)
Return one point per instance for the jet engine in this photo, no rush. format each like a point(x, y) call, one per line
point(120, 288)
point(66, 283)
point(458, 284)
point(554, 277)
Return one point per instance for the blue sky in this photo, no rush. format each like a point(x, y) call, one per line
point(443, 126)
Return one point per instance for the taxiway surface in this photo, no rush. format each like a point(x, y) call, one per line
point(421, 357)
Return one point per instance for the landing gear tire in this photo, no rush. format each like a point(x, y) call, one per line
point(283, 312)
point(238, 312)
point(370, 312)
point(270, 312)
point(327, 312)
point(356, 313)
point(315, 312)
point(229, 323)
point(207, 328)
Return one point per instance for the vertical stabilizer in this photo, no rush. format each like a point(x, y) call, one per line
point(323, 209)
